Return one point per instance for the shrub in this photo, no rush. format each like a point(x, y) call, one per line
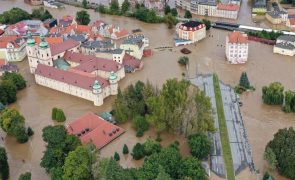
point(267, 176)
point(138, 151)
point(30, 131)
point(125, 149)
point(140, 123)
point(58, 115)
point(117, 156)
point(273, 94)
point(139, 133)
point(25, 176)
point(183, 60)
point(151, 146)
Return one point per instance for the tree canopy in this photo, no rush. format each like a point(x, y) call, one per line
point(188, 14)
point(273, 94)
point(25, 176)
point(283, 148)
point(16, 78)
point(41, 14)
point(4, 167)
point(58, 115)
point(13, 16)
point(83, 17)
point(200, 145)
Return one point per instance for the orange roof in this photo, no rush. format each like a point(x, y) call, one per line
point(122, 33)
point(228, 7)
point(83, 28)
point(4, 40)
point(50, 40)
point(237, 37)
point(94, 129)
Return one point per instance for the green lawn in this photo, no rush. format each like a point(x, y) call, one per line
point(223, 131)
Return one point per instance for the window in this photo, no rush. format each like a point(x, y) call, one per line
point(47, 54)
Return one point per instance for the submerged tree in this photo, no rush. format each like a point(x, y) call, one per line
point(187, 14)
point(244, 81)
point(83, 17)
point(273, 94)
point(4, 168)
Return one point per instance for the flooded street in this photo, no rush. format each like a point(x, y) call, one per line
point(35, 102)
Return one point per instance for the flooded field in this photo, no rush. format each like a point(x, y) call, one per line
point(35, 102)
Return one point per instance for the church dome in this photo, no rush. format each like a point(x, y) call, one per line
point(96, 85)
point(113, 76)
point(43, 43)
point(30, 39)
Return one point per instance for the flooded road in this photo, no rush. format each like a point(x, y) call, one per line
point(35, 102)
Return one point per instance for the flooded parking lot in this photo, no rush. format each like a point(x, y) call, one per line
point(261, 121)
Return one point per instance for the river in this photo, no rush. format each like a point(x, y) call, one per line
point(35, 102)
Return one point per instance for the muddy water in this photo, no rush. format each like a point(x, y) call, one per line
point(36, 102)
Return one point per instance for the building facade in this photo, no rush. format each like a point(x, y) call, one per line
point(236, 49)
point(12, 48)
point(285, 45)
point(134, 45)
point(190, 32)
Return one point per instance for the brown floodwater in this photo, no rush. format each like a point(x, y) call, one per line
point(35, 102)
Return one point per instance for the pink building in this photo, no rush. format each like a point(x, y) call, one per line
point(236, 48)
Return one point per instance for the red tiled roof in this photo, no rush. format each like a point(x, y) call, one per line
point(122, 33)
point(90, 63)
point(4, 40)
point(1, 32)
point(98, 23)
point(50, 40)
point(83, 29)
point(131, 61)
point(2, 62)
point(64, 46)
point(69, 77)
point(92, 128)
point(237, 37)
point(292, 21)
point(228, 7)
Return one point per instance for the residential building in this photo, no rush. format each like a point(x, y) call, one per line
point(290, 22)
point(36, 27)
point(108, 30)
point(49, 23)
point(90, 128)
point(7, 67)
point(285, 45)
point(134, 45)
point(273, 17)
point(90, 47)
point(66, 21)
point(259, 7)
point(190, 32)
point(12, 48)
point(34, 2)
point(236, 49)
point(157, 5)
point(211, 8)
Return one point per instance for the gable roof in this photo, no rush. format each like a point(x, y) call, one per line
point(237, 37)
point(64, 46)
point(92, 128)
point(70, 77)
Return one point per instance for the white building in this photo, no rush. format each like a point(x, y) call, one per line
point(236, 48)
point(285, 45)
point(62, 68)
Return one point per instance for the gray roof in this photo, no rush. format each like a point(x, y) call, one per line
point(287, 38)
point(204, 2)
point(260, 3)
point(134, 39)
point(273, 14)
point(49, 20)
point(285, 46)
point(111, 51)
point(77, 37)
point(98, 44)
point(9, 68)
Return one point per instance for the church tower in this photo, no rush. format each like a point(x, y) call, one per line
point(32, 50)
point(44, 52)
point(97, 91)
point(113, 83)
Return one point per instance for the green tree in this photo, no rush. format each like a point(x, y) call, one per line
point(140, 123)
point(77, 164)
point(25, 176)
point(56, 173)
point(13, 124)
point(207, 23)
point(120, 108)
point(174, 12)
point(101, 8)
point(244, 81)
point(170, 20)
point(83, 17)
point(151, 146)
point(3, 96)
point(270, 157)
point(84, 4)
point(188, 14)
point(15, 78)
point(41, 14)
point(267, 176)
point(283, 146)
point(184, 60)
point(4, 168)
point(117, 156)
point(289, 105)
point(273, 94)
point(138, 151)
point(163, 175)
point(30, 131)
point(9, 89)
point(114, 7)
point(125, 6)
point(13, 16)
point(191, 168)
point(2, 107)
point(53, 113)
point(167, 9)
point(125, 149)
point(200, 145)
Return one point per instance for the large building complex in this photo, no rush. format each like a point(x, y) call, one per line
point(213, 8)
point(190, 32)
point(236, 49)
point(62, 68)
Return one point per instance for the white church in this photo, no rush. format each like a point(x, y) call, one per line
point(61, 67)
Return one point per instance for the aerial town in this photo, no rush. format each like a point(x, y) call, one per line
point(147, 89)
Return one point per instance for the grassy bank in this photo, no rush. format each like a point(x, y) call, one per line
point(223, 131)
